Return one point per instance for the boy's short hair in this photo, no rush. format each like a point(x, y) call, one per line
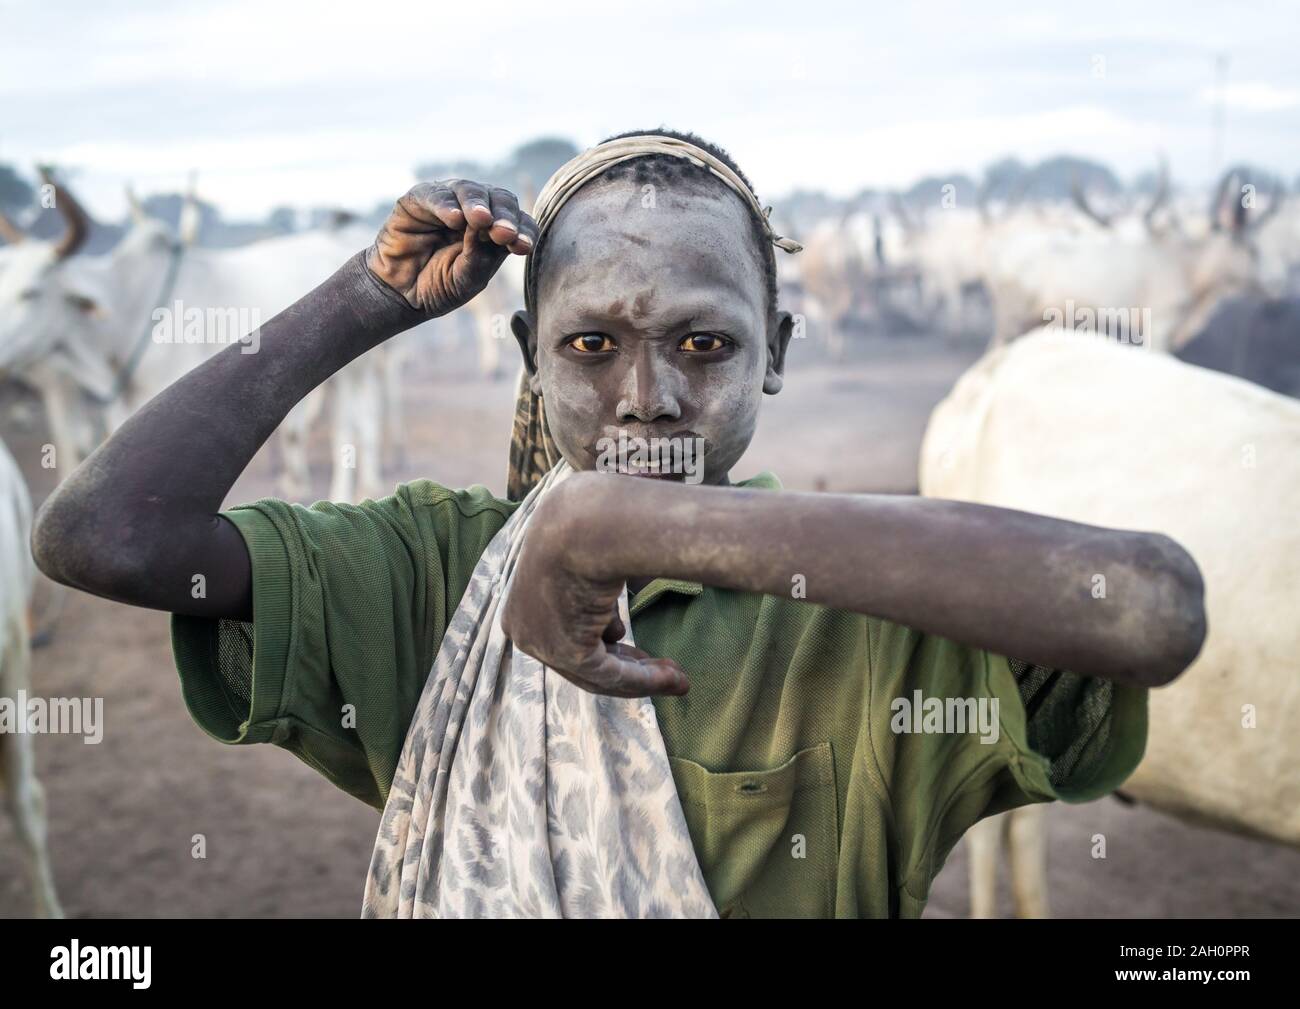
point(664, 169)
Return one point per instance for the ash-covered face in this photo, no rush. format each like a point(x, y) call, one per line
point(653, 325)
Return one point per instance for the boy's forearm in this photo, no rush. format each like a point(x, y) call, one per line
point(1125, 606)
point(136, 520)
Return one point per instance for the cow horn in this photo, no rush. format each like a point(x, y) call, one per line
point(1220, 195)
point(1081, 201)
point(1162, 195)
point(78, 224)
point(982, 205)
point(190, 218)
point(137, 208)
point(9, 231)
point(900, 210)
point(1277, 195)
point(1237, 206)
point(1014, 198)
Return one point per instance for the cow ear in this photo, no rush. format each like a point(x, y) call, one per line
point(85, 304)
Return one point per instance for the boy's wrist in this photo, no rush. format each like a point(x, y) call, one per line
point(381, 312)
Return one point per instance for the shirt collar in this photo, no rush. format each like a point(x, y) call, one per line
point(767, 480)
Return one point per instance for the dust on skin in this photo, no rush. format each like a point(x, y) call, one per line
point(649, 280)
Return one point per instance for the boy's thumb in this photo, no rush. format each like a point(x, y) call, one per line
point(614, 631)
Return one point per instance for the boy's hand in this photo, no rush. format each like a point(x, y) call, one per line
point(570, 621)
point(443, 242)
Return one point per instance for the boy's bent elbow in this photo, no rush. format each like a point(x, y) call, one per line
point(52, 547)
point(72, 548)
point(1178, 606)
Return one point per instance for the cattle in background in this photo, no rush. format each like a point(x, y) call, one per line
point(1156, 293)
point(1083, 430)
point(946, 249)
point(40, 316)
point(24, 797)
point(85, 332)
point(489, 312)
point(834, 276)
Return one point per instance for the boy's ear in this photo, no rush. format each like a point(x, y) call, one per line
point(525, 330)
point(777, 343)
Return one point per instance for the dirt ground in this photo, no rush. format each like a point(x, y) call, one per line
point(282, 842)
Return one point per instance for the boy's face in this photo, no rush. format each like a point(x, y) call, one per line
point(653, 321)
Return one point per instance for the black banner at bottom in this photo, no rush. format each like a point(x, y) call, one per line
point(198, 957)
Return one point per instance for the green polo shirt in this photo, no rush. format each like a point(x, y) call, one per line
point(810, 788)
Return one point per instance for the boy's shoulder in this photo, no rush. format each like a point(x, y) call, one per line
point(766, 480)
point(469, 501)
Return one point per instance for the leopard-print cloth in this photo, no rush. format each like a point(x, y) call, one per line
point(532, 450)
point(518, 794)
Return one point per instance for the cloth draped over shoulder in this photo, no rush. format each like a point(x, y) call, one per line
point(532, 449)
point(518, 793)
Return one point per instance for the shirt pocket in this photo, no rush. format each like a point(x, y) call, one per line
point(767, 841)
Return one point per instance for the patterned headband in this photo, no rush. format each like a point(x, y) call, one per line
point(575, 174)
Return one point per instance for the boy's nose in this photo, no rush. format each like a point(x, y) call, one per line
point(648, 395)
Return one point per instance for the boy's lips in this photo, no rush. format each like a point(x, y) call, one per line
point(611, 435)
point(646, 434)
point(649, 475)
point(649, 455)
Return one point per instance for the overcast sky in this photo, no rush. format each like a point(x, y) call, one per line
point(335, 103)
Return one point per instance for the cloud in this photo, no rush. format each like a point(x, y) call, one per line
point(1254, 97)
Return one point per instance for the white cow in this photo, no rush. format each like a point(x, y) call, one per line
point(37, 309)
point(1159, 292)
point(834, 273)
point(88, 334)
point(24, 797)
point(946, 247)
point(1078, 428)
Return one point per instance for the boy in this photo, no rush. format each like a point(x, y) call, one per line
point(807, 626)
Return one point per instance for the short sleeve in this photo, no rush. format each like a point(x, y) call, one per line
point(961, 734)
point(1076, 737)
point(350, 603)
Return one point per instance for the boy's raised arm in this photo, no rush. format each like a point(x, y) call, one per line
point(1012, 583)
point(138, 519)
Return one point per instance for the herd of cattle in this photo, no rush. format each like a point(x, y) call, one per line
point(1103, 424)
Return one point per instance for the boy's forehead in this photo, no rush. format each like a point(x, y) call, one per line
point(618, 233)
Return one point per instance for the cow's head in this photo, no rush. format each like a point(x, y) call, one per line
point(1229, 257)
point(44, 297)
point(1224, 262)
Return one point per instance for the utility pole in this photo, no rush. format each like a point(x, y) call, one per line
point(1218, 125)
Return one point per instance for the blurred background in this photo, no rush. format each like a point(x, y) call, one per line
point(955, 173)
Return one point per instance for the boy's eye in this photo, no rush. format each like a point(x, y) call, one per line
point(701, 343)
point(591, 343)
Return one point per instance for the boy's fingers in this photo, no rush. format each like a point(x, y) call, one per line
point(432, 203)
point(613, 632)
point(505, 216)
point(526, 242)
point(478, 260)
point(475, 202)
point(621, 675)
